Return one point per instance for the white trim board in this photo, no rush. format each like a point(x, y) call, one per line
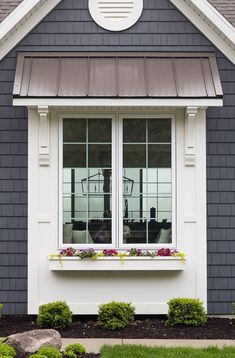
point(126, 102)
point(21, 21)
point(78, 287)
point(200, 12)
point(211, 23)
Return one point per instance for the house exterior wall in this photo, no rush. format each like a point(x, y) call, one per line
point(161, 27)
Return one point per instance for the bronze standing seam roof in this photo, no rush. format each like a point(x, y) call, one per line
point(153, 75)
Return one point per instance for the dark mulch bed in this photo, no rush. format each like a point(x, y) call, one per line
point(142, 327)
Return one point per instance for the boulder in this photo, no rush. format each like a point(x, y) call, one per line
point(30, 342)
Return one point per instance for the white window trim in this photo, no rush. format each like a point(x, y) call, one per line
point(117, 210)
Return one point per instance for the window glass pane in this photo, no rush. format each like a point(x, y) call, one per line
point(159, 130)
point(159, 155)
point(87, 183)
point(147, 187)
point(134, 156)
point(74, 155)
point(134, 131)
point(99, 130)
point(99, 155)
point(74, 130)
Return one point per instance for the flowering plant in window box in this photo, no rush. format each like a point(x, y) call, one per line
point(91, 253)
point(163, 259)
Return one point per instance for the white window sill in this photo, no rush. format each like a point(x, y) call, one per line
point(116, 264)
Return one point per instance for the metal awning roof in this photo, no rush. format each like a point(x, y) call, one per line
point(117, 75)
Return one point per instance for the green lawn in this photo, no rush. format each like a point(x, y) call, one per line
point(129, 351)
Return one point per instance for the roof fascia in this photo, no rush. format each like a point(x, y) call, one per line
point(123, 102)
point(211, 23)
point(21, 21)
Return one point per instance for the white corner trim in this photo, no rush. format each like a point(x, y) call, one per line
point(211, 23)
point(112, 102)
point(190, 136)
point(44, 136)
point(21, 21)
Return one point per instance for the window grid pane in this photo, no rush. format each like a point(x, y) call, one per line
point(147, 210)
point(87, 181)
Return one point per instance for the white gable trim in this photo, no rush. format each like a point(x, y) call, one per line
point(211, 23)
point(200, 12)
point(21, 21)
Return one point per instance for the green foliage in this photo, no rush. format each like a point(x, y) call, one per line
point(1, 307)
point(37, 356)
point(233, 306)
point(72, 350)
point(130, 351)
point(186, 311)
point(50, 352)
point(70, 354)
point(6, 350)
point(115, 315)
point(5, 356)
point(55, 315)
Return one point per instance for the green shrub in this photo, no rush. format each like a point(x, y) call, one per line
point(50, 352)
point(70, 354)
point(186, 311)
point(72, 350)
point(37, 356)
point(5, 356)
point(1, 307)
point(115, 315)
point(6, 350)
point(55, 315)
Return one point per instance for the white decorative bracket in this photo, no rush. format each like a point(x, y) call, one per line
point(44, 136)
point(190, 136)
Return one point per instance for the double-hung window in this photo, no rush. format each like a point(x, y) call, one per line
point(117, 184)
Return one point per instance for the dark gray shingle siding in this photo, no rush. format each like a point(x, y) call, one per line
point(221, 195)
point(161, 28)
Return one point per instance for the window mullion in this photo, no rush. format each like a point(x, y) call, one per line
point(119, 168)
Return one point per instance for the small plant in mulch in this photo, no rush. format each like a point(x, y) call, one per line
point(7, 351)
point(74, 350)
point(49, 352)
point(55, 315)
point(186, 311)
point(115, 315)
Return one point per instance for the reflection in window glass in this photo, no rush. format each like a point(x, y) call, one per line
point(87, 181)
point(147, 208)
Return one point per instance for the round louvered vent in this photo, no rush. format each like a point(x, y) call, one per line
point(115, 15)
